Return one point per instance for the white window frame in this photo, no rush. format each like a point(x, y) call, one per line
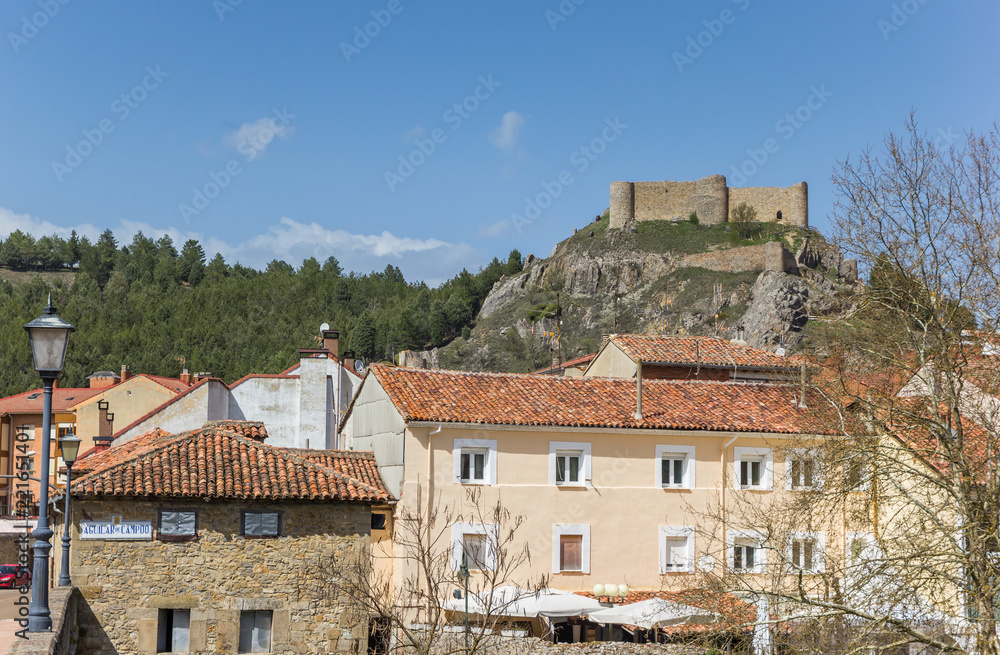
point(458, 532)
point(676, 532)
point(568, 529)
point(489, 471)
point(802, 454)
point(562, 447)
point(689, 465)
point(760, 550)
point(818, 554)
point(766, 455)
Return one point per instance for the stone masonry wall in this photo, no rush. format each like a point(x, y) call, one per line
point(771, 256)
point(125, 583)
point(792, 202)
point(709, 197)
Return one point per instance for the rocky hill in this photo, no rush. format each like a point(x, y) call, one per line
point(656, 277)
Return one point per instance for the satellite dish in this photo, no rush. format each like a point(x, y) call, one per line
point(359, 365)
point(324, 327)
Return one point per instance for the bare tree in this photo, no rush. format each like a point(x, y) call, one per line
point(402, 591)
point(904, 482)
point(742, 218)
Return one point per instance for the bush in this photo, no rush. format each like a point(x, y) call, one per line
point(466, 332)
point(693, 218)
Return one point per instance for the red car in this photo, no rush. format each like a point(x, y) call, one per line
point(11, 576)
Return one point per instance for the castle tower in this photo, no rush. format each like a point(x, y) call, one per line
point(800, 205)
point(622, 203)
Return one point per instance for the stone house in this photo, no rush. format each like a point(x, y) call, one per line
point(212, 541)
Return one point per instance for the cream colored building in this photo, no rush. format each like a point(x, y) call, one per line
point(607, 496)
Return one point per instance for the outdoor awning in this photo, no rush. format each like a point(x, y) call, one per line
point(652, 613)
point(515, 602)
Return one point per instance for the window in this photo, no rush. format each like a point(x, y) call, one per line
point(802, 469)
point(753, 468)
point(255, 631)
point(475, 544)
point(675, 467)
point(261, 524)
point(178, 524)
point(475, 461)
point(379, 520)
point(569, 464)
point(856, 475)
point(173, 631)
point(570, 552)
point(676, 549)
point(570, 548)
point(806, 551)
point(746, 552)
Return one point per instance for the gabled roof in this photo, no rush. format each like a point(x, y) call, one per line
point(691, 351)
point(547, 400)
point(170, 401)
point(30, 402)
point(585, 359)
point(217, 462)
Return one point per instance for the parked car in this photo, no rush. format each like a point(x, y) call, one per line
point(13, 576)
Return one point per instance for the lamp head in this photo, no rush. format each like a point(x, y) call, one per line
point(70, 445)
point(48, 335)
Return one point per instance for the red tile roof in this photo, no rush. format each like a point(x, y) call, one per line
point(216, 462)
point(585, 359)
point(170, 383)
point(30, 402)
point(511, 399)
point(707, 351)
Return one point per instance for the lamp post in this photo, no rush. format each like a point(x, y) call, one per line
point(48, 335)
point(70, 445)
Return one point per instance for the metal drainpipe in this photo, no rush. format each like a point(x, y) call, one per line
point(638, 390)
point(722, 459)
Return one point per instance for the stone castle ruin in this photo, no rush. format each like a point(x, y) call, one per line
point(710, 198)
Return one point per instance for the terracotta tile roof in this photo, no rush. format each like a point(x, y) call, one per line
point(707, 351)
point(357, 464)
point(170, 383)
point(250, 429)
point(585, 359)
point(215, 462)
point(30, 402)
point(511, 399)
point(734, 613)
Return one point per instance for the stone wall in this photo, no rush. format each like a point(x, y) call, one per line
point(533, 646)
point(771, 256)
point(63, 604)
point(709, 197)
point(125, 583)
point(792, 202)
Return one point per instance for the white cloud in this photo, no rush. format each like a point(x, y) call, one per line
point(505, 137)
point(495, 230)
point(431, 260)
point(252, 139)
point(414, 134)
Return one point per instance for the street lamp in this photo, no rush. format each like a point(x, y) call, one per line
point(48, 335)
point(70, 445)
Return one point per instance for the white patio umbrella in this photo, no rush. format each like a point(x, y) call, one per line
point(652, 613)
point(514, 601)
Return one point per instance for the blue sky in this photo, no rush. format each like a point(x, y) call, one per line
point(280, 130)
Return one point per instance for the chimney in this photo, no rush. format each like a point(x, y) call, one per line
point(186, 377)
point(126, 372)
point(638, 391)
point(331, 342)
point(55, 383)
point(349, 359)
point(105, 426)
point(102, 380)
point(198, 377)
